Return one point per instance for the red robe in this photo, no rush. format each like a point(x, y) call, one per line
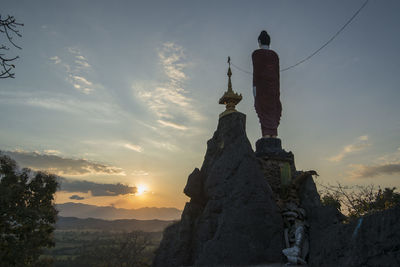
point(266, 80)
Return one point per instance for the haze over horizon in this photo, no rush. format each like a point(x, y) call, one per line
point(120, 99)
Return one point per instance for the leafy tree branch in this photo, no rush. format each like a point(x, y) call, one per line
point(359, 200)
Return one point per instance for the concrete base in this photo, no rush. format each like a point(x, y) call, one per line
point(272, 148)
point(270, 151)
point(268, 145)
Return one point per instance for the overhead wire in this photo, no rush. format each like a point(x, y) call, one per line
point(319, 49)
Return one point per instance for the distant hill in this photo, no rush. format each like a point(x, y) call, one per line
point(72, 223)
point(80, 210)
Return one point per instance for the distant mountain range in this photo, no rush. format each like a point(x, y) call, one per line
point(73, 223)
point(80, 210)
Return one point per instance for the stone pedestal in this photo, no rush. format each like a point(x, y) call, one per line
point(270, 149)
point(273, 161)
point(267, 145)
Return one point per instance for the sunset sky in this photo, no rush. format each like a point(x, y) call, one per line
point(127, 92)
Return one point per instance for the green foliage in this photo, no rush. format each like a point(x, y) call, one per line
point(331, 199)
point(104, 248)
point(375, 201)
point(124, 250)
point(27, 214)
point(358, 200)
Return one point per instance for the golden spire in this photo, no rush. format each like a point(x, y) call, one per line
point(230, 99)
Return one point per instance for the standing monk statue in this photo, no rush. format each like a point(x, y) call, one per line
point(266, 86)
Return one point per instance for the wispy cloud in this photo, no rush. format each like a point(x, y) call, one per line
point(62, 166)
point(76, 70)
point(113, 144)
point(96, 189)
point(81, 83)
point(171, 56)
point(133, 147)
point(52, 152)
point(74, 50)
point(388, 164)
point(81, 61)
point(107, 111)
point(169, 101)
point(55, 59)
point(360, 144)
point(163, 145)
point(390, 157)
point(172, 125)
point(366, 171)
point(82, 80)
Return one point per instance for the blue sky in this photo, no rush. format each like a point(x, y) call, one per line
point(127, 91)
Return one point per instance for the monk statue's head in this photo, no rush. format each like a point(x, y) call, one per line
point(264, 39)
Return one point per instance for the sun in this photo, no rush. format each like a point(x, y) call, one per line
point(141, 189)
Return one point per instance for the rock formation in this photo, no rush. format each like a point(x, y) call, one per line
point(232, 217)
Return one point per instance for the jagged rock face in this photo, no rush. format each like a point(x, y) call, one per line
point(373, 240)
point(232, 217)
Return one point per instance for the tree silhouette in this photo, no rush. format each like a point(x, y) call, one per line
point(359, 200)
point(27, 214)
point(9, 29)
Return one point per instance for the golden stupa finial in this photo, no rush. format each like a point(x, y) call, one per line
point(230, 99)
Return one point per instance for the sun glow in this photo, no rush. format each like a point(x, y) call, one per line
point(141, 189)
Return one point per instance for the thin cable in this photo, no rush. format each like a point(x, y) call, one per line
point(330, 40)
point(242, 70)
point(319, 49)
